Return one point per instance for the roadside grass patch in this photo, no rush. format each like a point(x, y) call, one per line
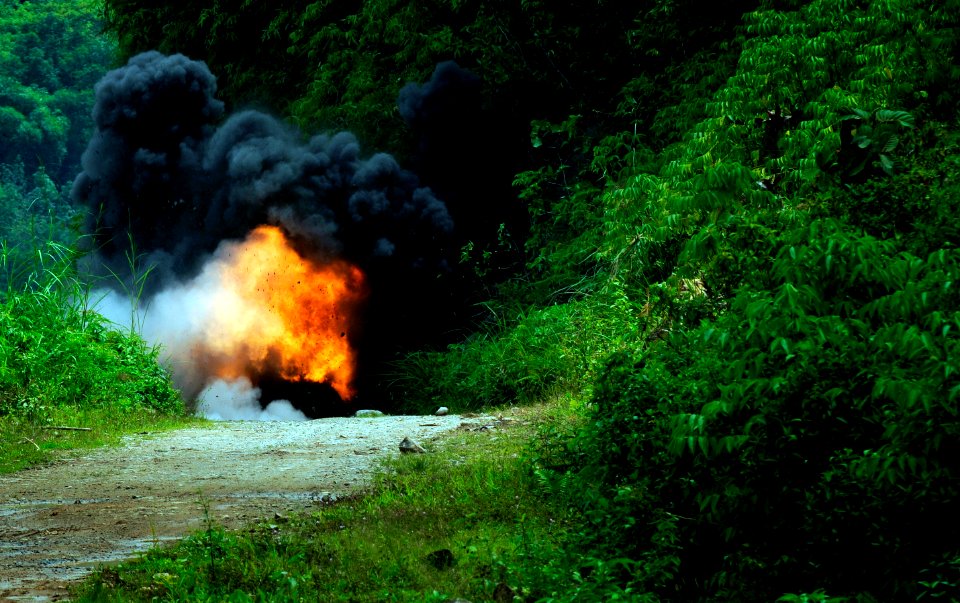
point(62, 365)
point(432, 527)
point(24, 443)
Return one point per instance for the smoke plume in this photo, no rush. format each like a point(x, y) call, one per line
point(455, 132)
point(174, 183)
point(165, 167)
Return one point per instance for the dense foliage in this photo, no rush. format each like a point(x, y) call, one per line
point(811, 426)
point(792, 427)
point(341, 64)
point(51, 55)
point(55, 353)
point(739, 239)
point(58, 361)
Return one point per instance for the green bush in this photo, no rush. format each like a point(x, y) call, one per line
point(806, 440)
point(519, 361)
point(54, 352)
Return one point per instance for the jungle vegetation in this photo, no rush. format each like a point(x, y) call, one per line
point(59, 363)
point(727, 229)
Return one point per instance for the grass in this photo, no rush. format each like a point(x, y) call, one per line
point(25, 443)
point(450, 523)
point(64, 366)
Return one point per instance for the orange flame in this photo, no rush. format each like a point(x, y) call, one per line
point(278, 312)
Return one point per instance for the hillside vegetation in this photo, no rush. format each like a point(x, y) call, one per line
point(738, 243)
point(60, 365)
point(728, 231)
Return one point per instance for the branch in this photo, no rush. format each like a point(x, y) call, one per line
point(25, 440)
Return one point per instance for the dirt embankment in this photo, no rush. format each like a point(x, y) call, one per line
point(59, 521)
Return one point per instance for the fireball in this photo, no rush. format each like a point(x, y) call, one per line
point(280, 314)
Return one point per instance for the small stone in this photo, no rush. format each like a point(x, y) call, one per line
point(367, 413)
point(408, 445)
point(442, 411)
point(326, 497)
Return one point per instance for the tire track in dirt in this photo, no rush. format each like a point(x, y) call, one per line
point(59, 521)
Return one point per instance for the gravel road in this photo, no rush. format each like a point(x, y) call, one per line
point(59, 521)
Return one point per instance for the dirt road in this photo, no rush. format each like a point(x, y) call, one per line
point(59, 521)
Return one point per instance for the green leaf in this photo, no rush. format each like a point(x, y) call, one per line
point(887, 164)
point(891, 143)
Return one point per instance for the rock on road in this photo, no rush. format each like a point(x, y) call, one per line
point(59, 521)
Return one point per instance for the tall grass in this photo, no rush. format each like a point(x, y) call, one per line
point(59, 360)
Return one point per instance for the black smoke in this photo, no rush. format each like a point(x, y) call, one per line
point(468, 151)
point(167, 171)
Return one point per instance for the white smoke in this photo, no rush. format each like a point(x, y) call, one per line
point(238, 400)
point(179, 317)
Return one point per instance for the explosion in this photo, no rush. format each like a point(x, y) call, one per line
point(258, 313)
point(278, 313)
point(238, 311)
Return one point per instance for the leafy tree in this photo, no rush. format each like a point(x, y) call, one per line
point(52, 55)
point(32, 209)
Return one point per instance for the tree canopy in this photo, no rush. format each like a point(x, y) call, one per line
point(51, 55)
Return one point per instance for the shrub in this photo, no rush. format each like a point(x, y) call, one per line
point(520, 360)
point(53, 352)
point(805, 440)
